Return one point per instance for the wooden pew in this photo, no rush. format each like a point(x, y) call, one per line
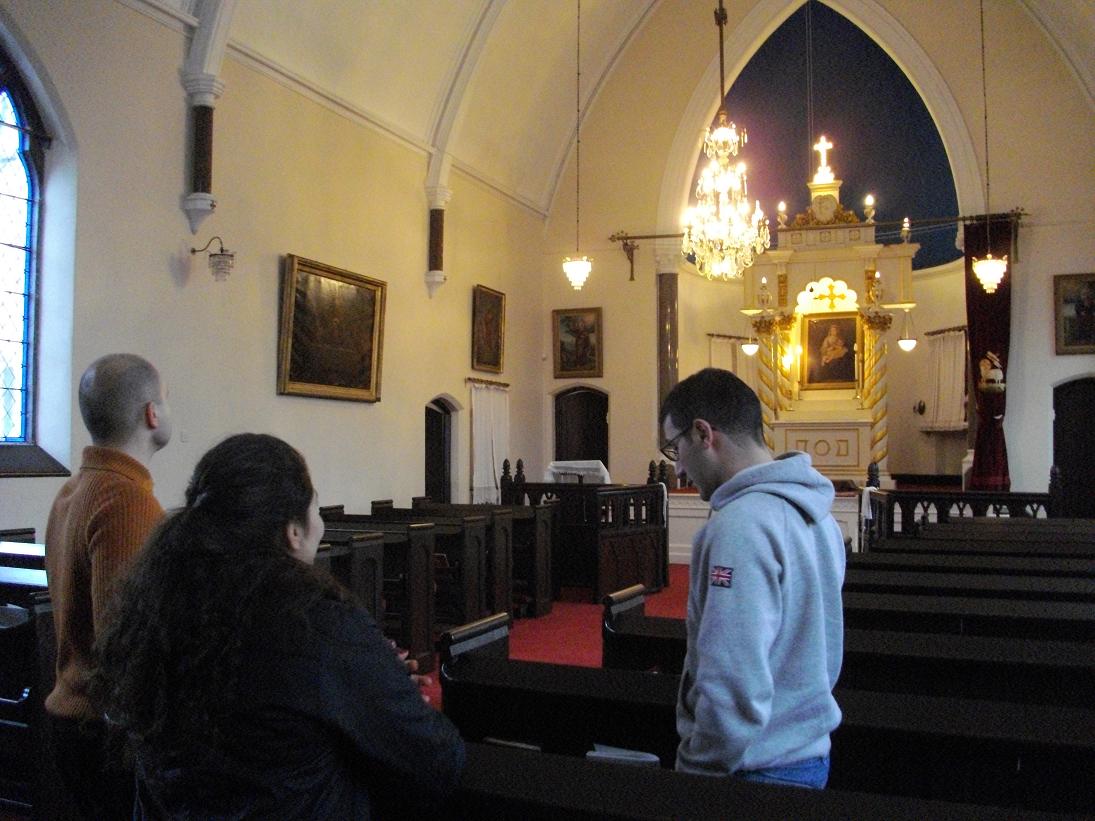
point(532, 537)
point(1028, 756)
point(501, 783)
point(932, 583)
point(999, 669)
point(478, 555)
point(975, 563)
point(604, 536)
point(408, 583)
point(17, 676)
point(962, 615)
point(903, 512)
point(23, 554)
point(356, 561)
point(1033, 548)
point(499, 541)
point(17, 534)
point(1010, 529)
point(19, 584)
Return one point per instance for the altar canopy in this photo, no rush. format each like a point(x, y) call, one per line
point(821, 304)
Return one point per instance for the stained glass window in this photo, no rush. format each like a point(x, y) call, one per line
point(16, 234)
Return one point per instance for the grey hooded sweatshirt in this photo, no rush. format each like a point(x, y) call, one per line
point(765, 623)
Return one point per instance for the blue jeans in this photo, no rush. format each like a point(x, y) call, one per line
point(812, 773)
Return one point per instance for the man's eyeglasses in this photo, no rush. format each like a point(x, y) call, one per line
point(669, 449)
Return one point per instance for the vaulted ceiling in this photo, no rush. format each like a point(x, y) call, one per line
point(488, 85)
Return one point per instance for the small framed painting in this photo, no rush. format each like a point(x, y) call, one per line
point(1074, 313)
point(829, 350)
point(331, 336)
point(578, 340)
point(488, 329)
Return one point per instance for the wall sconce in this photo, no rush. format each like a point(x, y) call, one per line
point(220, 261)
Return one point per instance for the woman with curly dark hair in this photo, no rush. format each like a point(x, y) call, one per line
point(249, 686)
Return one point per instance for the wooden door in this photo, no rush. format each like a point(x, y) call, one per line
point(438, 468)
point(1074, 445)
point(581, 425)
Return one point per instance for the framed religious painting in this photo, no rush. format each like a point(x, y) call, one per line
point(578, 341)
point(829, 347)
point(488, 329)
point(331, 336)
point(1074, 313)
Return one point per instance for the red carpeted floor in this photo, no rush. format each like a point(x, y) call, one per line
point(571, 632)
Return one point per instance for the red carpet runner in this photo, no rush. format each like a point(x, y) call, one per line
point(571, 632)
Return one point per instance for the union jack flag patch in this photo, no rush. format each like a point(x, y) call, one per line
point(721, 576)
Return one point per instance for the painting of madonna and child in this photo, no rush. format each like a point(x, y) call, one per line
point(829, 350)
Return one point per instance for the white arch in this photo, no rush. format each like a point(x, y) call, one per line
point(56, 252)
point(878, 24)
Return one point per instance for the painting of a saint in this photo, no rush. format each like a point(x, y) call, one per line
point(830, 350)
point(1074, 313)
point(577, 338)
point(488, 329)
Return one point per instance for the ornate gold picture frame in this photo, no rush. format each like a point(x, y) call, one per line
point(829, 348)
point(1074, 313)
point(488, 329)
point(578, 341)
point(331, 335)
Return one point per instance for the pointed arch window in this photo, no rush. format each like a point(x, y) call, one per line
point(23, 142)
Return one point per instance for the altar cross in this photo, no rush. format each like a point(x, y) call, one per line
point(824, 173)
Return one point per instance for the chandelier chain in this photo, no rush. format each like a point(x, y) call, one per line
point(720, 234)
point(985, 112)
point(578, 132)
point(809, 88)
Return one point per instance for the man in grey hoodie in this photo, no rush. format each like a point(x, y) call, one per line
point(765, 622)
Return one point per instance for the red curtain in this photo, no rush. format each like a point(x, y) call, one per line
point(988, 317)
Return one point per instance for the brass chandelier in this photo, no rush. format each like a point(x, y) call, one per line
point(719, 231)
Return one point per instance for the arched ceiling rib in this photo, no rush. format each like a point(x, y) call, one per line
point(490, 83)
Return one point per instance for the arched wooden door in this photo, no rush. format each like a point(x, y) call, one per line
point(581, 425)
point(1074, 445)
point(438, 468)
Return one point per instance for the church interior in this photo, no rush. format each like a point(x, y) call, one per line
point(335, 136)
point(434, 163)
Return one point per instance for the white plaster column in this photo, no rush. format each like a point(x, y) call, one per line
point(439, 196)
point(204, 87)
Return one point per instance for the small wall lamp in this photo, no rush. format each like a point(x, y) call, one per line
point(220, 261)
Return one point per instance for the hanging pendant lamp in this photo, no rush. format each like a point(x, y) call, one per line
point(577, 268)
point(989, 270)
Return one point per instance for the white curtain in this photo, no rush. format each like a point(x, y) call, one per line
point(947, 381)
point(728, 355)
point(489, 440)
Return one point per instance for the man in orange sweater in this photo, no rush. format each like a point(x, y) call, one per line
point(99, 521)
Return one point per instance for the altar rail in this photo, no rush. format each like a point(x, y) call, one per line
point(898, 513)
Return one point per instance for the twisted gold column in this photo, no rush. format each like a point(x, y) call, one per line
point(767, 376)
point(874, 384)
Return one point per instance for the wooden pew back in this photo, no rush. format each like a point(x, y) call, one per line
point(531, 540)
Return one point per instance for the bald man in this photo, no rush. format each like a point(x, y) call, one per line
point(99, 521)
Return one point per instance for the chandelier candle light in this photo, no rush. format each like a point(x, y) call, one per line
point(577, 268)
point(719, 230)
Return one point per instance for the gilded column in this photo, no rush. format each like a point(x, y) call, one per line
point(875, 385)
point(786, 377)
point(767, 375)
